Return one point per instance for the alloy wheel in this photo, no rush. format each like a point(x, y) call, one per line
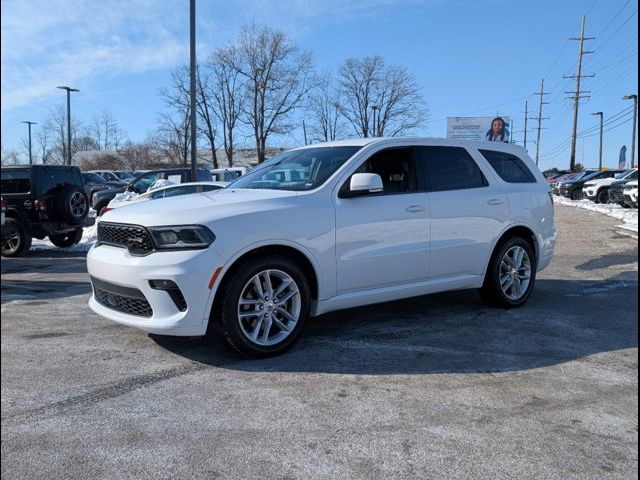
point(269, 307)
point(515, 273)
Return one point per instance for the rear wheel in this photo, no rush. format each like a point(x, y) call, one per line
point(65, 240)
point(263, 307)
point(16, 241)
point(511, 274)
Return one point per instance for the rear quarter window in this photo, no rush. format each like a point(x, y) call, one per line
point(509, 168)
point(15, 181)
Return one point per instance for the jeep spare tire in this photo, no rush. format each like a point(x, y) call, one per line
point(72, 205)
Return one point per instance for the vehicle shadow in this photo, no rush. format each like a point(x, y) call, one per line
point(453, 332)
point(49, 261)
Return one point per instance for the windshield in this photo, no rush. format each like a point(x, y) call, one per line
point(93, 177)
point(123, 175)
point(297, 170)
point(623, 174)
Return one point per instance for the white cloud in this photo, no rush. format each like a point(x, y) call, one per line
point(50, 43)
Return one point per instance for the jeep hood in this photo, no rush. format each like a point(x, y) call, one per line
point(198, 208)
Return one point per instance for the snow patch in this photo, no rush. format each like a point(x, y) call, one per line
point(89, 237)
point(627, 215)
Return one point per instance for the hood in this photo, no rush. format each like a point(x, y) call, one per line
point(197, 208)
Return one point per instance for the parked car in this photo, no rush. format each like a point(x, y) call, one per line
point(114, 175)
point(630, 193)
point(43, 201)
point(373, 220)
point(143, 181)
point(598, 190)
point(227, 174)
point(94, 182)
point(573, 188)
point(169, 191)
point(557, 184)
point(556, 175)
point(125, 175)
point(616, 192)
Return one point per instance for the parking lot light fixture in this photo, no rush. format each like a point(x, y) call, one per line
point(69, 90)
point(633, 132)
point(29, 123)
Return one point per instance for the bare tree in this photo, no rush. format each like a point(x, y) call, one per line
point(56, 126)
point(174, 131)
point(277, 77)
point(42, 142)
point(369, 86)
point(324, 109)
point(206, 110)
point(105, 131)
point(141, 155)
point(11, 157)
point(229, 94)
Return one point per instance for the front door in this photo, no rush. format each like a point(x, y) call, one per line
point(383, 239)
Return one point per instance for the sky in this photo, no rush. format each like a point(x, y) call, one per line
point(471, 58)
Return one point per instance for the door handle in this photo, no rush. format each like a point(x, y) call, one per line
point(495, 201)
point(414, 209)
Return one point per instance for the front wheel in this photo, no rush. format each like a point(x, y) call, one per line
point(511, 274)
point(577, 195)
point(263, 307)
point(65, 240)
point(603, 196)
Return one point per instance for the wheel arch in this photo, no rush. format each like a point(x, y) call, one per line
point(520, 230)
point(302, 259)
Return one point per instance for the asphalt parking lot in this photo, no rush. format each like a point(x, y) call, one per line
point(433, 387)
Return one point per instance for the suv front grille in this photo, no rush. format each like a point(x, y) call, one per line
point(132, 237)
point(123, 299)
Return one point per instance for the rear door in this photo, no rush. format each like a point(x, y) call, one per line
point(467, 212)
point(382, 239)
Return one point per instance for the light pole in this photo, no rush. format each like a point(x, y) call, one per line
point(69, 90)
point(374, 108)
point(192, 92)
point(30, 123)
point(601, 115)
point(633, 133)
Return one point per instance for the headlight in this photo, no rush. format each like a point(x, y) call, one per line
point(182, 237)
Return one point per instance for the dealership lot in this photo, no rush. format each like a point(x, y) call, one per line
point(433, 387)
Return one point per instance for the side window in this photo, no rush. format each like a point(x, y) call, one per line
point(157, 195)
point(182, 190)
point(396, 167)
point(208, 188)
point(15, 181)
point(142, 184)
point(449, 168)
point(510, 168)
point(633, 176)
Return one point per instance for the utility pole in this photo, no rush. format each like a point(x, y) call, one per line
point(526, 115)
point(375, 108)
point(30, 156)
point(601, 115)
point(304, 130)
point(192, 92)
point(539, 118)
point(576, 96)
point(633, 133)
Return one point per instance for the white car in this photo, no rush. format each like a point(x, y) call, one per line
point(598, 190)
point(373, 220)
point(166, 192)
point(630, 193)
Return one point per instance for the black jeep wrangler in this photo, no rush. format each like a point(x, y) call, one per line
point(43, 201)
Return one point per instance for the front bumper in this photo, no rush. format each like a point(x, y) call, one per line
point(189, 270)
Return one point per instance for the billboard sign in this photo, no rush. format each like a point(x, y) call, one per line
point(475, 128)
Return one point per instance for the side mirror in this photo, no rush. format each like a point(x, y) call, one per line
point(364, 184)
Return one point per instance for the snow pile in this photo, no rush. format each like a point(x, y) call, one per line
point(627, 215)
point(89, 237)
point(124, 197)
point(159, 184)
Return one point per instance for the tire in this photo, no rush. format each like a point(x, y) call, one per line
point(237, 322)
point(603, 196)
point(577, 195)
point(72, 204)
point(65, 240)
point(17, 241)
point(492, 291)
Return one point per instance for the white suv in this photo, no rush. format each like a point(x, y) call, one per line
point(598, 190)
point(361, 222)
